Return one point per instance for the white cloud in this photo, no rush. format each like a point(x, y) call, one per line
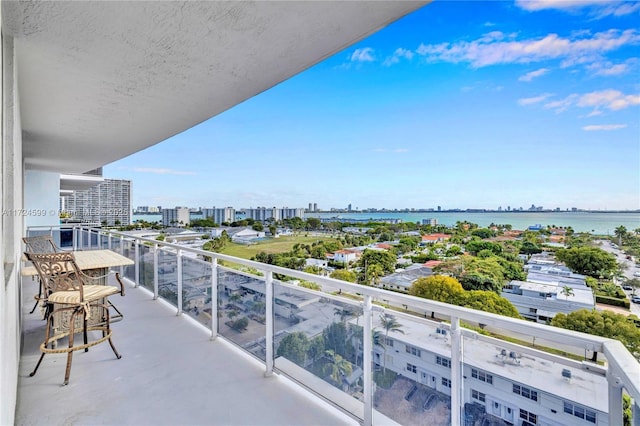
point(400, 53)
point(609, 99)
point(607, 69)
point(533, 74)
point(363, 55)
point(598, 8)
point(493, 48)
point(534, 100)
point(162, 171)
point(562, 104)
point(597, 127)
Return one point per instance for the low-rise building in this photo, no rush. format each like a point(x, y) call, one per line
point(402, 280)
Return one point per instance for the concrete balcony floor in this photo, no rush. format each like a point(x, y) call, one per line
point(170, 373)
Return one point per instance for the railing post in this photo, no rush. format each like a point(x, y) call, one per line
point(367, 364)
point(457, 390)
point(155, 271)
point(89, 238)
point(136, 264)
point(179, 272)
point(109, 240)
point(269, 324)
point(214, 298)
point(615, 400)
point(74, 238)
point(122, 253)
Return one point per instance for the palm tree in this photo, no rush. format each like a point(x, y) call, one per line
point(620, 232)
point(337, 367)
point(389, 323)
point(567, 291)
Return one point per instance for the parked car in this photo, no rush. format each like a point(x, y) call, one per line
point(627, 287)
point(635, 299)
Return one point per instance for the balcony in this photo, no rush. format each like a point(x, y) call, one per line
point(328, 358)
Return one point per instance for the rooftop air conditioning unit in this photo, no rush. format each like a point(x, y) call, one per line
point(566, 373)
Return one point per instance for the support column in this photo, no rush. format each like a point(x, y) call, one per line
point(367, 364)
point(269, 324)
point(137, 264)
point(214, 298)
point(615, 400)
point(179, 273)
point(457, 384)
point(155, 271)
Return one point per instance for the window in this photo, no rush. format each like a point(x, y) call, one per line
point(412, 368)
point(525, 392)
point(445, 362)
point(478, 395)
point(534, 310)
point(446, 382)
point(412, 350)
point(580, 412)
point(529, 417)
point(482, 376)
point(388, 342)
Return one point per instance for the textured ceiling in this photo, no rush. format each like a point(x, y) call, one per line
point(99, 81)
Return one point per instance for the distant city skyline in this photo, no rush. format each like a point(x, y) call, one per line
point(460, 104)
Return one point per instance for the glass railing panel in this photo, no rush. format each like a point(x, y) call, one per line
point(412, 370)
point(130, 252)
point(145, 262)
point(318, 342)
point(241, 309)
point(196, 289)
point(167, 275)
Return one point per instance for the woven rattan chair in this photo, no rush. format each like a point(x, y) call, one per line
point(40, 244)
point(76, 306)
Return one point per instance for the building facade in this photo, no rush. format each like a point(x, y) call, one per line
point(220, 215)
point(108, 203)
point(178, 216)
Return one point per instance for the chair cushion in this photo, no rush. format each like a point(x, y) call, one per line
point(91, 294)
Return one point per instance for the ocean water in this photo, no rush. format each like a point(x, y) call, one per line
point(595, 223)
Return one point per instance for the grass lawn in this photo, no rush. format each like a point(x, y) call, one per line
point(272, 245)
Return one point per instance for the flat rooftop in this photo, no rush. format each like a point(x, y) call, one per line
point(170, 373)
point(535, 369)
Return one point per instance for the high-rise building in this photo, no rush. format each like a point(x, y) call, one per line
point(108, 203)
point(430, 221)
point(273, 213)
point(315, 207)
point(220, 215)
point(176, 217)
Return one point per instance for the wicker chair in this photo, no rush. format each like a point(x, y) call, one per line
point(76, 306)
point(40, 244)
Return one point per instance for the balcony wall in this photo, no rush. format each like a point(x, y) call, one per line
point(343, 360)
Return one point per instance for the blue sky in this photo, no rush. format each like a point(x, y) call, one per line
point(474, 104)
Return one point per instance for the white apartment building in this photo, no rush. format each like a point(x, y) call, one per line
point(178, 216)
point(524, 389)
point(108, 203)
point(220, 215)
point(273, 213)
point(542, 301)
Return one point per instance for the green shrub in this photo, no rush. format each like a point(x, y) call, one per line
point(613, 301)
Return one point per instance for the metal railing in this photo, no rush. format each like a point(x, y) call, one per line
point(329, 340)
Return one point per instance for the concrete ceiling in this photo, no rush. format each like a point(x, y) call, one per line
point(99, 81)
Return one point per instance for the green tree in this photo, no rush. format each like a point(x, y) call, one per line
point(483, 233)
point(602, 323)
point(385, 259)
point(373, 274)
point(313, 223)
point(294, 347)
point(258, 227)
point(273, 230)
point(344, 275)
point(337, 368)
point(488, 301)
point(454, 250)
point(389, 323)
point(437, 287)
point(567, 291)
point(335, 338)
point(590, 261)
point(620, 231)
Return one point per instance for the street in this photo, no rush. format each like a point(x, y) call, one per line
point(630, 269)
